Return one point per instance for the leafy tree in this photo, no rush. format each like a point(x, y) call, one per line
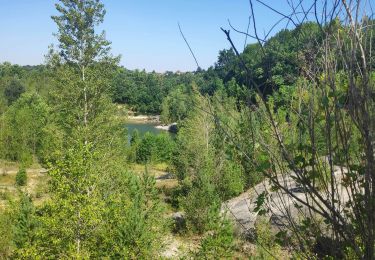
point(70, 224)
point(79, 45)
point(13, 91)
point(165, 147)
point(146, 149)
point(135, 138)
point(176, 105)
point(85, 215)
point(23, 133)
point(78, 42)
point(208, 177)
point(146, 92)
point(155, 148)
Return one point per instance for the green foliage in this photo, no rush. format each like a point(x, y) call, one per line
point(96, 209)
point(78, 42)
point(70, 222)
point(136, 226)
point(23, 131)
point(21, 177)
point(16, 80)
point(6, 234)
point(209, 176)
point(202, 203)
point(17, 226)
point(24, 222)
point(194, 135)
point(89, 216)
point(146, 92)
point(266, 240)
point(62, 113)
point(176, 105)
point(13, 91)
point(231, 181)
point(135, 140)
point(218, 243)
point(146, 149)
point(154, 148)
point(199, 132)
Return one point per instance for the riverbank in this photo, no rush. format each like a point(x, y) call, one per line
point(144, 118)
point(170, 127)
point(129, 116)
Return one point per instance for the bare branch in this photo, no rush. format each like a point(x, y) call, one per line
point(191, 51)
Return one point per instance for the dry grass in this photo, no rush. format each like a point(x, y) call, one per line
point(7, 179)
point(167, 184)
point(157, 169)
point(36, 185)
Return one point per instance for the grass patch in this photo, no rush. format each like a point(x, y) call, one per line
point(160, 167)
point(156, 169)
point(7, 179)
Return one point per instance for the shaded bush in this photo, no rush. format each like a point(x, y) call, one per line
point(21, 177)
point(13, 91)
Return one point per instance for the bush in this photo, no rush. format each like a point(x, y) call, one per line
point(218, 242)
point(230, 181)
point(146, 148)
point(267, 246)
point(21, 177)
point(202, 204)
point(6, 234)
point(155, 148)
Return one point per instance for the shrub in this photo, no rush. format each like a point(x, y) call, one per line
point(202, 204)
point(155, 148)
point(21, 177)
point(218, 242)
point(267, 246)
point(230, 181)
point(146, 148)
point(6, 235)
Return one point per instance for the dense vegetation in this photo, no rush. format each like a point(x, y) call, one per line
point(298, 108)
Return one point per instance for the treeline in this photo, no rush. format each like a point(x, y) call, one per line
point(144, 92)
point(141, 91)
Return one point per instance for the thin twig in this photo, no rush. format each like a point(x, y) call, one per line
point(191, 51)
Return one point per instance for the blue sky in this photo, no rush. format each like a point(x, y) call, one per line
point(144, 32)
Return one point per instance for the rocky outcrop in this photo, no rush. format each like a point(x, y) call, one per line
point(171, 127)
point(281, 207)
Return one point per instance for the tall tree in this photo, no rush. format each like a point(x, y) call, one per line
point(90, 191)
point(79, 44)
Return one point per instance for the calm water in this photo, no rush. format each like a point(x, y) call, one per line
point(142, 128)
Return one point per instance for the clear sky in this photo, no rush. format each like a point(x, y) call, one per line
point(144, 32)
